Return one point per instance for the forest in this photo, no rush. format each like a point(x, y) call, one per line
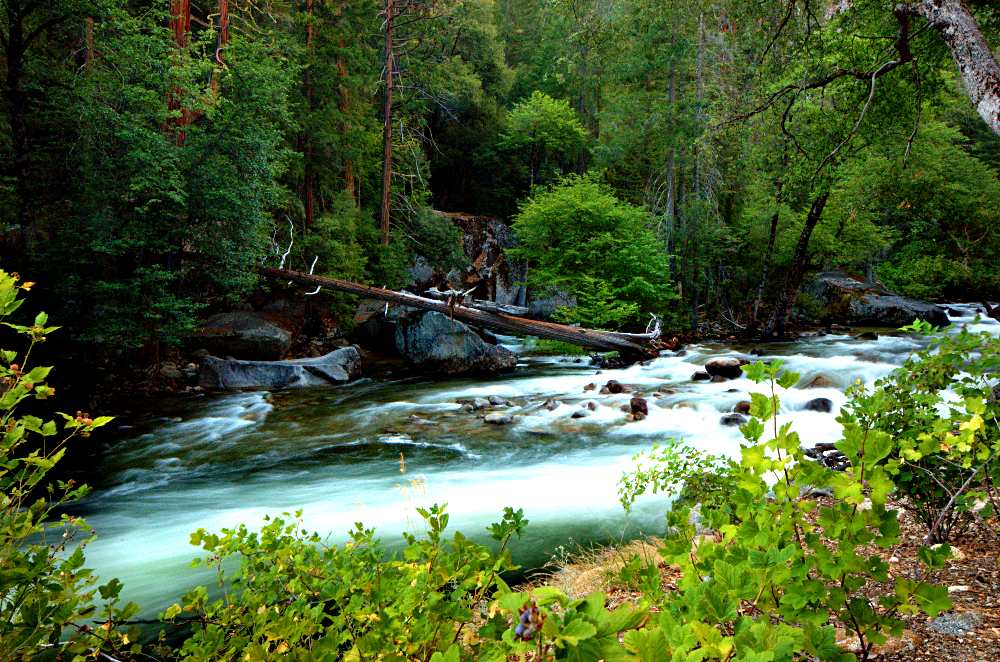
point(760, 219)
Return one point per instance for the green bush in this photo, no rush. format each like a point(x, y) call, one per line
point(46, 595)
point(294, 594)
point(941, 410)
point(579, 238)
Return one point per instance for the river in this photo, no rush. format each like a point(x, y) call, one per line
point(372, 451)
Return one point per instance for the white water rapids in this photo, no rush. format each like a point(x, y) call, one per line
point(336, 454)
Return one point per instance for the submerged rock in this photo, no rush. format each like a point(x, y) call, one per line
point(336, 367)
point(819, 382)
point(639, 407)
point(498, 418)
point(615, 387)
point(822, 405)
point(436, 341)
point(849, 300)
point(733, 419)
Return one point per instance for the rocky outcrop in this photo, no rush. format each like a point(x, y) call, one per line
point(244, 335)
point(435, 341)
point(844, 299)
point(336, 367)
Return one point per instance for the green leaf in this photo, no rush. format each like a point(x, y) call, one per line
point(575, 631)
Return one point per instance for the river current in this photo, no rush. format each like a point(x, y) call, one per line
point(373, 451)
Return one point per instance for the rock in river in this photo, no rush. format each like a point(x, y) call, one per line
point(854, 301)
point(244, 335)
point(733, 419)
point(727, 367)
point(336, 367)
point(498, 418)
point(823, 405)
point(436, 341)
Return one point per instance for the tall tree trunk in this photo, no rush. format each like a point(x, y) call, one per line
point(343, 105)
point(390, 67)
point(17, 113)
point(221, 41)
point(89, 31)
point(180, 28)
point(308, 176)
point(772, 236)
point(976, 62)
point(768, 255)
point(775, 327)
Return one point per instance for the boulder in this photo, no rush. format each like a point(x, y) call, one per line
point(701, 376)
point(545, 305)
point(727, 367)
point(449, 346)
point(336, 367)
point(639, 407)
point(846, 299)
point(615, 387)
point(819, 381)
point(742, 407)
point(498, 418)
point(244, 335)
point(822, 405)
point(733, 419)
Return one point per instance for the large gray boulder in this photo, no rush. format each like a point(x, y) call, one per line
point(436, 341)
point(336, 367)
point(244, 335)
point(844, 299)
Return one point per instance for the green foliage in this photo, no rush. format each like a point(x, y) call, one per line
point(769, 581)
point(579, 238)
point(940, 410)
point(546, 135)
point(45, 590)
point(294, 594)
point(680, 470)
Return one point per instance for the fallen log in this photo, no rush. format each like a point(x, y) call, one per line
point(630, 344)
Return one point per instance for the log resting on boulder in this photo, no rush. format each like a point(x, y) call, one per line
point(643, 344)
point(845, 299)
point(337, 367)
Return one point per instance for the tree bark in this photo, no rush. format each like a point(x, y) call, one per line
point(308, 176)
point(775, 327)
point(343, 105)
point(976, 62)
point(17, 111)
point(180, 28)
point(630, 344)
point(390, 66)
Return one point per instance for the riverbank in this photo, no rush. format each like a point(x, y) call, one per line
point(375, 449)
point(969, 632)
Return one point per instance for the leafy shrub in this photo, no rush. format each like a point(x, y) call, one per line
point(941, 410)
point(581, 239)
point(694, 477)
point(769, 586)
point(292, 593)
point(45, 592)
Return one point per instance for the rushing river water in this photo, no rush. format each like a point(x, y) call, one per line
point(373, 451)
